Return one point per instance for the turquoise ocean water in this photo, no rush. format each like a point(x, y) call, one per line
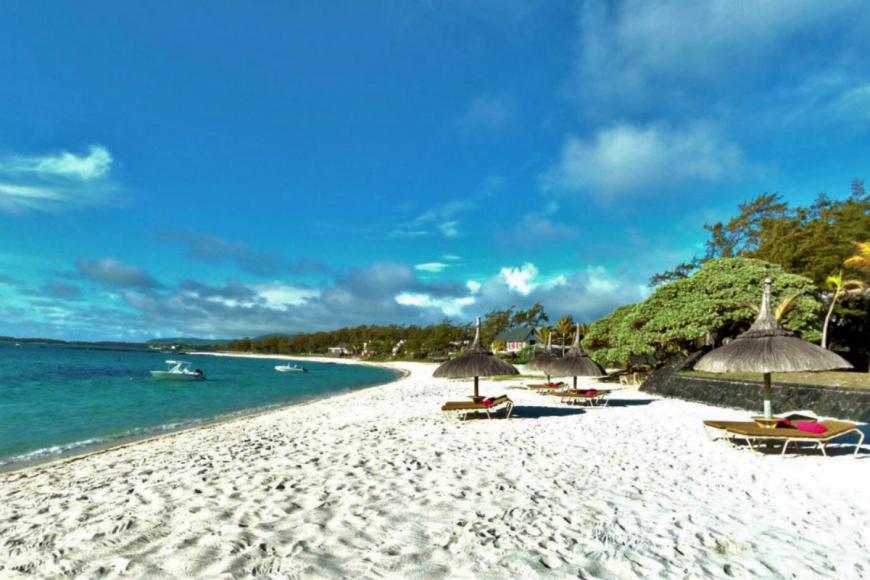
point(57, 400)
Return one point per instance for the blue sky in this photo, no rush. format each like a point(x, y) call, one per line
point(242, 168)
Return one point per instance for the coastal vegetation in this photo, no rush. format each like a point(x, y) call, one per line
point(433, 342)
point(812, 241)
point(713, 303)
point(818, 241)
point(818, 257)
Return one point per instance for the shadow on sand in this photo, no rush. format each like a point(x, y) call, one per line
point(534, 412)
point(628, 402)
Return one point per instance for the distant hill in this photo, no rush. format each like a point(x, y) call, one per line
point(188, 340)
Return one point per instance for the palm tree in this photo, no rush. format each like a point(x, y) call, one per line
point(861, 259)
point(839, 287)
point(565, 327)
point(543, 334)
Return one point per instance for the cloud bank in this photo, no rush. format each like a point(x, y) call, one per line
point(135, 305)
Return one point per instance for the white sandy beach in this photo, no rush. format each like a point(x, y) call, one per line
point(376, 483)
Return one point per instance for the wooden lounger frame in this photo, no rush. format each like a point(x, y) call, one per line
point(462, 409)
point(547, 387)
point(753, 435)
point(571, 397)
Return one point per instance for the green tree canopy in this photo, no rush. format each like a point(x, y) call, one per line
point(812, 241)
point(713, 303)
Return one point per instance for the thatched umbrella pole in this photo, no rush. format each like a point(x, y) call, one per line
point(576, 362)
point(541, 361)
point(768, 348)
point(766, 321)
point(546, 363)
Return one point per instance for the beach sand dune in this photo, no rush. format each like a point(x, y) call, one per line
point(376, 483)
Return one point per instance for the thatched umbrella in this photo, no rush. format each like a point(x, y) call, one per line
point(475, 362)
point(541, 361)
point(576, 363)
point(769, 348)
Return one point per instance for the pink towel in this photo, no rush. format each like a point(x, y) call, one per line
point(591, 393)
point(488, 402)
point(816, 428)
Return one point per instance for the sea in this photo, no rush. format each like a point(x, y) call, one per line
point(63, 399)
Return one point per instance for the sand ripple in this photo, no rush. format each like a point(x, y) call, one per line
point(376, 484)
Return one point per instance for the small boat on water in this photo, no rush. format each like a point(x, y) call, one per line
point(178, 371)
point(288, 368)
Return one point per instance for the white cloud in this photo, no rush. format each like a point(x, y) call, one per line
point(526, 279)
point(442, 218)
point(635, 54)
point(473, 286)
point(278, 296)
point(635, 159)
point(27, 192)
point(431, 267)
point(600, 280)
point(95, 165)
point(448, 306)
point(520, 279)
point(450, 229)
point(51, 182)
point(16, 198)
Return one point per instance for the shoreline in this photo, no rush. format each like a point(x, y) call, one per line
point(377, 483)
point(86, 449)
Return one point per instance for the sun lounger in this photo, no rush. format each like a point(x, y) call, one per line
point(546, 386)
point(590, 397)
point(754, 435)
point(464, 409)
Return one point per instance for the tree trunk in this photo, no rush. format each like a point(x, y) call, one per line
point(828, 320)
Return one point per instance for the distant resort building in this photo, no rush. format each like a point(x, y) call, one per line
point(517, 339)
point(339, 350)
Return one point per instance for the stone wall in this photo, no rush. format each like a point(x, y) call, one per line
point(849, 404)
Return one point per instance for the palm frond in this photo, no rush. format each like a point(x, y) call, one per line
point(861, 259)
point(785, 305)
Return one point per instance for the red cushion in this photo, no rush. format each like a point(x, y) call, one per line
point(488, 402)
point(591, 393)
point(817, 428)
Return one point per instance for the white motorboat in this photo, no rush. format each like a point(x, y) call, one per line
point(288, 368)
point(178, 371)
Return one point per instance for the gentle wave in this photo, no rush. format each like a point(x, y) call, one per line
point(59, 402)
point(131, 436)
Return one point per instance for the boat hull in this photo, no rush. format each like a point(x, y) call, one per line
point(180, 377)
point(290, 370)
